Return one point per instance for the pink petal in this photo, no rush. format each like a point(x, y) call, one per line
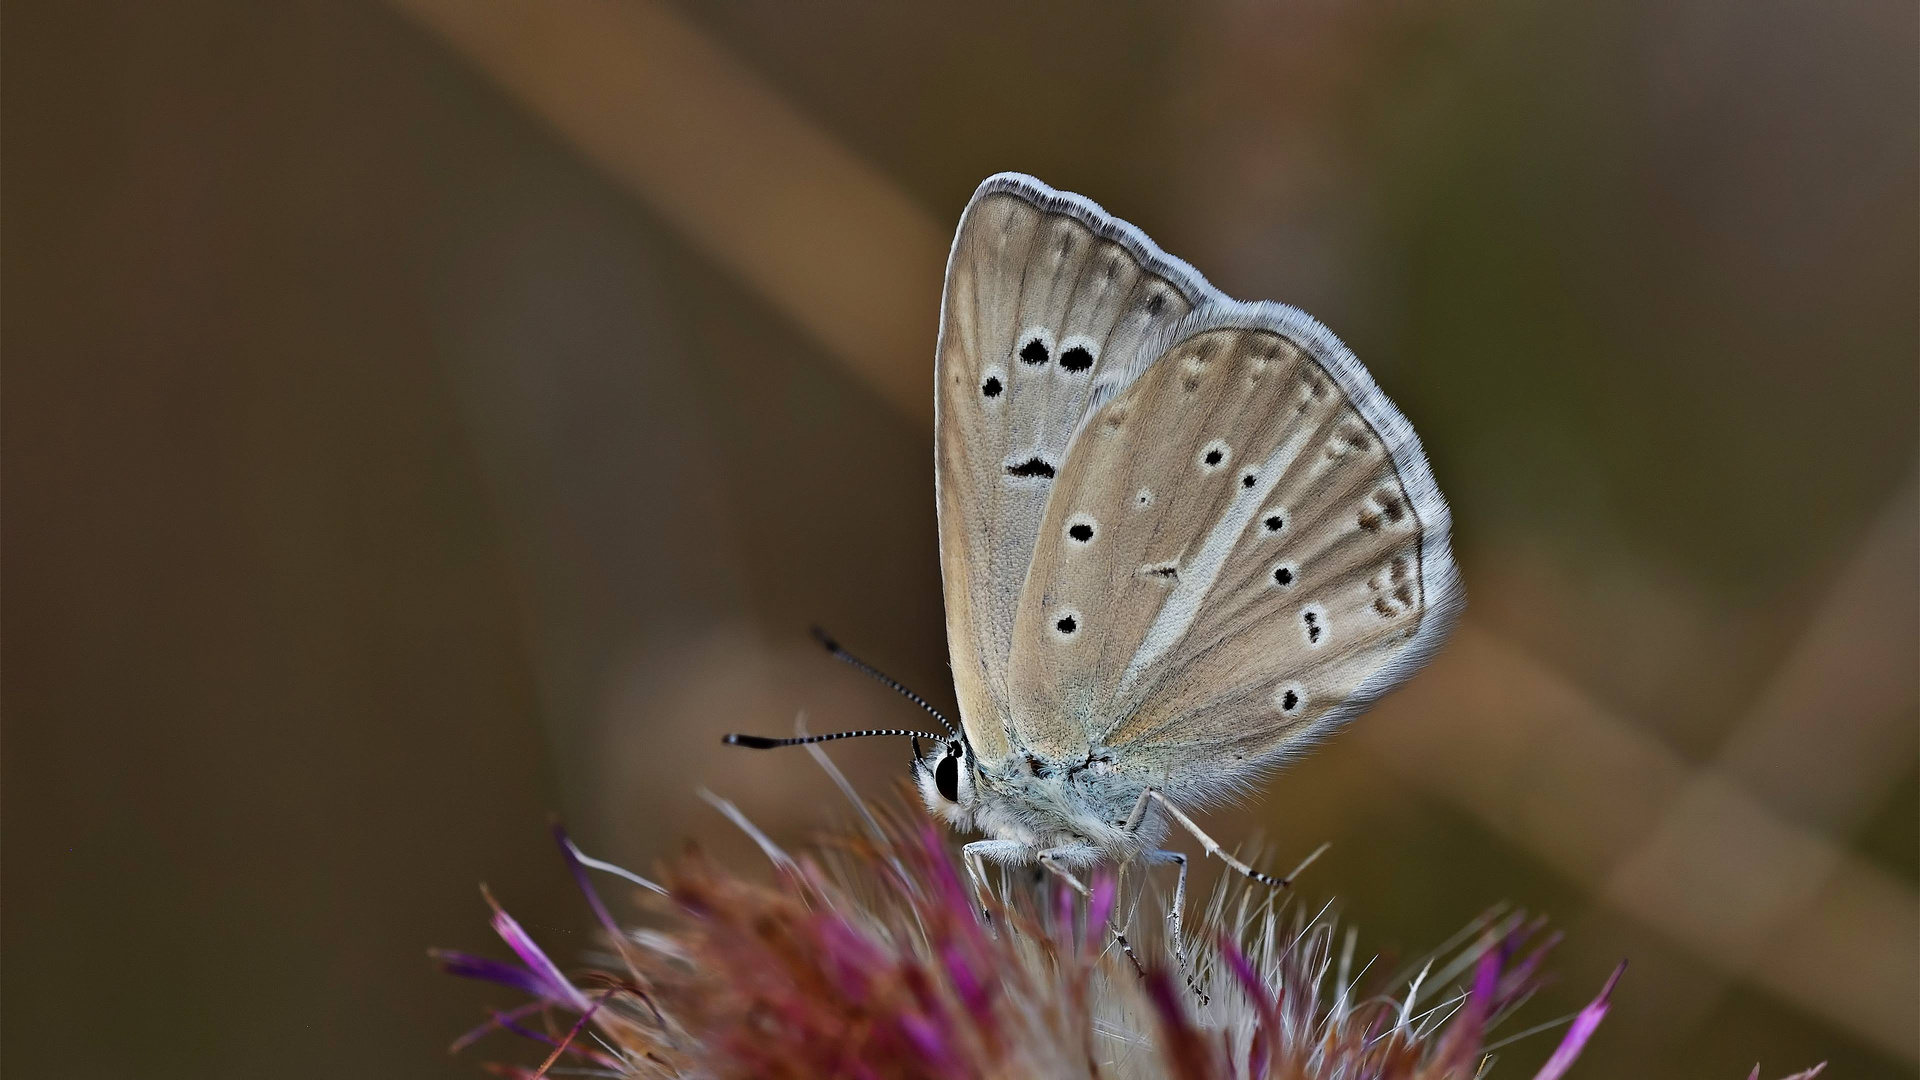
point(1583, 1028)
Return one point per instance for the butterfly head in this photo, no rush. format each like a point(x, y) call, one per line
point(946, 777)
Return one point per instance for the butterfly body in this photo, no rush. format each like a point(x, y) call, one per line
point(1183, 537)
point(1078, 808)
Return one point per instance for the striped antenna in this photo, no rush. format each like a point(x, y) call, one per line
point(882, 678)
point(761, 742)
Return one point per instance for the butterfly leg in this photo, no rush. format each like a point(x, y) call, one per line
point(1176, 941)
point(1213, 848)
point(1139, 812)
point(1052, 860)
point(1179, 895)
point(974, 855)
point(1131, 825)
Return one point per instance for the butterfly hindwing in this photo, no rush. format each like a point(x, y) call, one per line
point(1244, 547)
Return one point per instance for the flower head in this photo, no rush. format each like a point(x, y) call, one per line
point(871, 955)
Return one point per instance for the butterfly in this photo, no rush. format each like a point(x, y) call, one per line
point(1183, 538)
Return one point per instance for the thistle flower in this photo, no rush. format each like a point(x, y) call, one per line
point(871, 956)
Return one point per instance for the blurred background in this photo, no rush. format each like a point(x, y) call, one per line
point(420, 416)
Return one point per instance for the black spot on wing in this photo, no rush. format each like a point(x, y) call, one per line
point(1168, 571)
point(1033, 466)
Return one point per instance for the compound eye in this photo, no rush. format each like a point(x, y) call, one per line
point(946, 777)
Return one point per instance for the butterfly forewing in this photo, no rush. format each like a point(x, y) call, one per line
point(1049, 308)
point(1243, 548)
